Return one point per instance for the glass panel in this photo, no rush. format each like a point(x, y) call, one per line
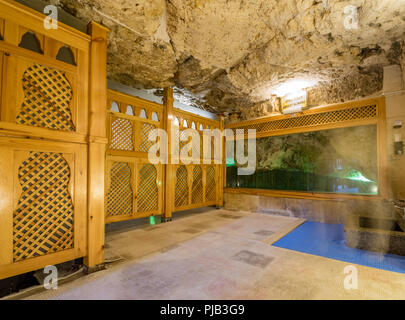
point(340, 160)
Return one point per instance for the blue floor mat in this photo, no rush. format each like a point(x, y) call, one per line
point(329, 241)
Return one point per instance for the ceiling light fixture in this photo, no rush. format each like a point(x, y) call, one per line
point(292, 87)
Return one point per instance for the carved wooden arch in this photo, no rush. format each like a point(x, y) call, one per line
point(65, 54)
point(30, 41)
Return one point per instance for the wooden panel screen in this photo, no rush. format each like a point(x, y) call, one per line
point(122, 135)
point(43, 142)
point(366, 112)
point(129, 173)
point(47, 98)
point(195, 185)
point(133, 189)
point(120, 194)
point(181, 190)
point(43, 203)
point(131, 119)
point(145, 144)
point(43, 220)
point(148, 193)
point(210, 190)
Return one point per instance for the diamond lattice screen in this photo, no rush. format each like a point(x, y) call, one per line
point(148, 190)
point(197, 190)
point(121, 135)
point(47, 95)
point(119, 197)
point(210, 189)
point(197, 145)
point(43, 220)
point(182, 144)
point(360, 113)
point(181, 192)
point(145, 144)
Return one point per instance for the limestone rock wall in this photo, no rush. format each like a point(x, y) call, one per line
point(354, 86)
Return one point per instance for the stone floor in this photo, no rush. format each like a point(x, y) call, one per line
point(219, 254)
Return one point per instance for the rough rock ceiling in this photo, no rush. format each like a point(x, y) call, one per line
point(228, 55)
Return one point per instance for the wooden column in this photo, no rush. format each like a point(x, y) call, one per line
point(97, 145)
point(222, 167)
point(384, 191)
point(169, 175)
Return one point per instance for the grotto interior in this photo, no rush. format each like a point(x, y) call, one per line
point(303, 103)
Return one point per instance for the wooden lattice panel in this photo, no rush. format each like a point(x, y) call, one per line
point(121, 135)
point(43, 220)
point(47, 95)
point(148, 195)
point(119, 197)
point(181, 191)
point(210, 188)
point(360, 113)
point(197, 190)
point(181, 134)
point(145, 144)
point(197, 147)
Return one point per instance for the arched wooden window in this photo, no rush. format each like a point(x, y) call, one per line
point(115, 107)
point(129, 111)
point(155, 117)
point(65, 54)
point(30, 41)
point(143, 114)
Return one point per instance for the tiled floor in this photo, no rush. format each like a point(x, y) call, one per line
point(222, 255)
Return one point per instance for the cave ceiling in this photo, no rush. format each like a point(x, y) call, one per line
point(226, 55)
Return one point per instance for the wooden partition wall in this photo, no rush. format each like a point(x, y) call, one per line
point(197, 184)
point(135, 188)
point(48, 108)
point(68, 166)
